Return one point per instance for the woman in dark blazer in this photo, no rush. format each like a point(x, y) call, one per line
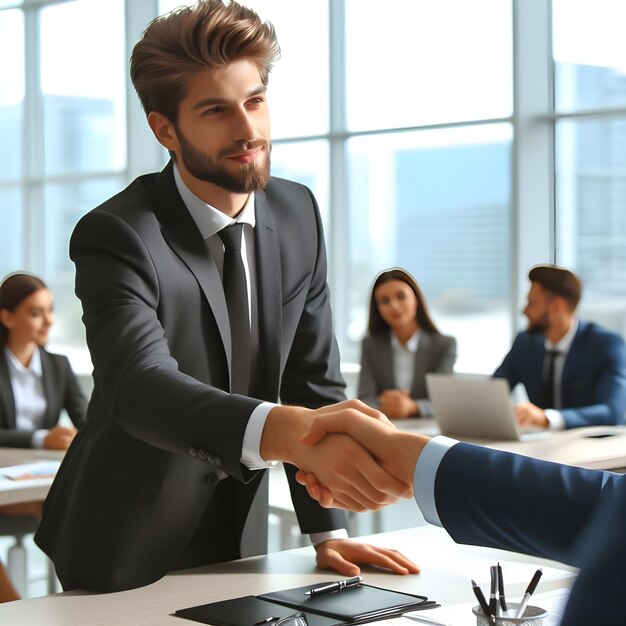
point(35, 385)
point(401, 347)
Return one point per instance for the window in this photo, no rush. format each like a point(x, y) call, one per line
point(590, 97)
point(400, 117)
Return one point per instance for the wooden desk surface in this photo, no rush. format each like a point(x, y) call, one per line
point(14, 491)
point(446, 572)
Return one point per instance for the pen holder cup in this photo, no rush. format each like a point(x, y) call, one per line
point(533, 616)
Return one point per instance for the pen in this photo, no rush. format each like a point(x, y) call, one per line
point(493, 603)
point(330, 587)
point(483, 603)
point(529, 592)
point(503, 605)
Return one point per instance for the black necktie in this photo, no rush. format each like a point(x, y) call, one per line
point(236, 292)
point(548, 382)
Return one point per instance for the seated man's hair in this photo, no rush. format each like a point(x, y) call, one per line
point(558, 281)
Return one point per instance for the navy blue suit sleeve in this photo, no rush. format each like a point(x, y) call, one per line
point(598, 595)
point(497, 499)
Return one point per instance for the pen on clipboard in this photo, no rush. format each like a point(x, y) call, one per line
point(332, 587)
point(532, 585)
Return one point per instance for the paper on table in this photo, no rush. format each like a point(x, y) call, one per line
point(25, 471)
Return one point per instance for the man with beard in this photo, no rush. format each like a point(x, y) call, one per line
point(574, 372)
point(205, 300)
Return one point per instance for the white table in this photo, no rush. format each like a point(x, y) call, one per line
point(15, 491)
point(446, 572)
point(593, 447)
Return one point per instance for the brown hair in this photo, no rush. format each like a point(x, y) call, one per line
point(14, 290)
point(558, 281)
point(377, 324)
point(207, 36)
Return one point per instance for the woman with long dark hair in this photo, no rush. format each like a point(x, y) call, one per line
point(35, 385)
point(401, 347)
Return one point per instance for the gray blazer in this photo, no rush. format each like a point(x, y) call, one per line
point(435, 353)
point(154, 482)
point(61, 390)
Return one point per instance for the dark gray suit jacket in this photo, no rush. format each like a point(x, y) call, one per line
point(154, 480)
point(435, 353)
point(61, 390)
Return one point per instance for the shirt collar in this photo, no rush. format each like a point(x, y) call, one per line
point(409, 346)
point(565, 343)
point(208, 219)
point(34, 366)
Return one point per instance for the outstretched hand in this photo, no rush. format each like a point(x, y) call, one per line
point(396, 451)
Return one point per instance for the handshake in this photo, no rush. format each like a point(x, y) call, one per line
point(349, 455)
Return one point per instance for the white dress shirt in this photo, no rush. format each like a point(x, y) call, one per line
point(28, 395)
point(209, 221)
point(554, 416)
point(403, 356)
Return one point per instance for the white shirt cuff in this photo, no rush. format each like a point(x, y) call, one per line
point(250, 454)
point(339, 533)
point(425, 474)
point(38, 438)
point(555, 419)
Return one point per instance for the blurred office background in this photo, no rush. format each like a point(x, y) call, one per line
point(464, 141)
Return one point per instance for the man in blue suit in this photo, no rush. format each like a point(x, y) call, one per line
point(497, 499)
point(574, 372)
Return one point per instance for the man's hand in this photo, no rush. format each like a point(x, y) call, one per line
point(397, 404)
point(529, 414)
point(59, 438)
point(346, 469)
point(342, 555)
point(396, 451)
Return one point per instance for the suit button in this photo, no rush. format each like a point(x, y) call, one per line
point(212, 478)
point(193, 451)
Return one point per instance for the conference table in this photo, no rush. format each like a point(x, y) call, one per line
point(592, 447)
point(447, 569)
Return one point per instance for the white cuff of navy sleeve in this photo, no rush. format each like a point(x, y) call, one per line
point(425, 474)
point(38, 437)
point(250, 454)
point(339, 533)
point(555, 419)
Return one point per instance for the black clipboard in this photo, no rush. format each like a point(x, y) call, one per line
point(355, 605)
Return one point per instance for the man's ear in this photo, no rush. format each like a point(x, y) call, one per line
point(163, 130)
point(559, 305)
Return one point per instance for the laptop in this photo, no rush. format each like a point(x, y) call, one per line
point(475, 407)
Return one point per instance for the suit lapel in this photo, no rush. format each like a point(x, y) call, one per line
point(183, 236)
point(536, 369)
point(385, 354)
point(573, 359)
point(50, 383)
point(269, 298)
point(420, 364)
point(7, 403)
